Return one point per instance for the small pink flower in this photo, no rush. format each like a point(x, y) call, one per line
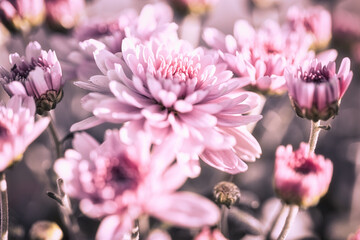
point(180, 96)
point(315, 89)
point(64, 14)
point(301, 177)
point(210, 234)
point(18, 129)
point(315, 21)
point(37, 74)
point(21, 15)
point(258, 55)
point(120, 179)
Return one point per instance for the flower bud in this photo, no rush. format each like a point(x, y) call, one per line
point(315, 90)
point(301, 177)
point(226, 193)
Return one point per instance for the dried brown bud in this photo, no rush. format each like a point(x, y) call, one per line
point(226, 193)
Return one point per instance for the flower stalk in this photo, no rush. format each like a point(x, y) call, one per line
point(289, 221)
point(314, 135)
point(4, 207)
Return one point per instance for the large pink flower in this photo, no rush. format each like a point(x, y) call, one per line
point(259, 55)
point(121, 179)
point(301, 177)
point(315, 89)
point(18, 129)
point(179, 95)
point(37, 74)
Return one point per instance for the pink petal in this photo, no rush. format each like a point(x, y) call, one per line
point(184, 209)
point(114, 227)
point(86, 123)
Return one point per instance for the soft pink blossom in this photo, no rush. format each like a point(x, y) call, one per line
point(315, 89)
point(37, 74)
point(210, 234)
point(120, 179)
point(21, 15)
point(301, 177)
point(154, 21)
point(64, 14)
point(18, 129)
point(315, 21)
point(259, 55)
point(180, 96)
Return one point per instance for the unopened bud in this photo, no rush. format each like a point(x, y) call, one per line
point(226, 193)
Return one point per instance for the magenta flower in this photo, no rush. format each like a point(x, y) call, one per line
point(315, 21)
point(315, 89)
point(120, 179)
point(37, 74)
point(258, 55)
point(179, 95)
point(18, 129)
point(22, 14)
point(64, 14)
point(301, 177)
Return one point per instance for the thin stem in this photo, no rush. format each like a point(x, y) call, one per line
point(289, 221)
point(223, 224)
point(55, 137)
point(314, 135)
point(4, 207)
point(275, 221)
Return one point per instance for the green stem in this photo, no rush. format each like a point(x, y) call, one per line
point(55, 137)
point(289, 221)
point(4, 207)
point(275, 221)
point(314, 135)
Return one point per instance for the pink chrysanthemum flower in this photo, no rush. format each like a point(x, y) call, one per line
point(315, 21)
point(301, 177)
point(37, 74)
point(154, 21)
point(120, 179)
point(315, 89)
point(21, 15)
point(18, 129)
point(259, 55)
point(179, 95)
point(64, 14)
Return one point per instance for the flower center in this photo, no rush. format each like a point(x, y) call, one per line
point(316, 76)
point(181, 68)
point(305, 167)
point(119, 173)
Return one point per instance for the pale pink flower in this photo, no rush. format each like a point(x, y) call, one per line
point(301, 177)
point(179, 95)
point(37, 74)
point(315, 21)
point(18, 129)
point(120, 179)
point(64, 14)
point(258, 55)
point(21, 15)
point(154, 21)
point(210, 234)
point(315, 89)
